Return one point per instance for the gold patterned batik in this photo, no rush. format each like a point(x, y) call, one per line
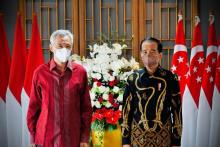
point(152, 110)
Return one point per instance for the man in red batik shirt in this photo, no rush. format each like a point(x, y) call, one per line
point(59, 113)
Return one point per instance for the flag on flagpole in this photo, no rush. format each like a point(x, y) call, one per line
point(180, 58)
point(35, 58)
point(205, 99)
point(16, 80)
point(4, 76)
point(214, 139)
point(192, 90)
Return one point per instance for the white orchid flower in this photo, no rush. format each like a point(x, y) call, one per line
point(116, 89)
point(120, 97)
point(120, 107)
point(105, 96)
point(108, 105)
point(102, 89)
point(97, 104)
point(92, 95)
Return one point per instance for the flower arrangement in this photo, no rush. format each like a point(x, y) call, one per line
point(107, 73)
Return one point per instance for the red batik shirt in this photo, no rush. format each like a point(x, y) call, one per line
point(59, 113)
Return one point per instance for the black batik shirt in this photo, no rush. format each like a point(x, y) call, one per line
point(152, 109)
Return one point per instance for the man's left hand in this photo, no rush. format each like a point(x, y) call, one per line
point(83, 144)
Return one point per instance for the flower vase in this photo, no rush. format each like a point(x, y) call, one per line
point(107, 138)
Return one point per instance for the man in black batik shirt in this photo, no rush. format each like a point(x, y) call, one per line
point(152, 106)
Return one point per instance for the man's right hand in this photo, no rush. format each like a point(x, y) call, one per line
point(126, 145)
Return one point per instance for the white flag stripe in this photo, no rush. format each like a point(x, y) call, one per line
point(215, 120)
point(3, 126)
point(211, 49)
point(189, 113)
point(14, 120)
point(25, 131)
point(206, 94)
point(179, 47)
point(214, 140)
point(195, 50)
point(203, 120)
point(192, 90)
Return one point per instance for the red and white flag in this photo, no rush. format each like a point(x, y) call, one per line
point(5, 61)
point(35, 58)
point(206, 93)
point(192, 90)
point(214, 139)
point(16, 80)
point(180, 64)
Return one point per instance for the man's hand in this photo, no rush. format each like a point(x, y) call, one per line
point(32, 145)
point(83, 144)
point(126, 145)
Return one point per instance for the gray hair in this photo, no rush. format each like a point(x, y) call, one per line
point(61, 33)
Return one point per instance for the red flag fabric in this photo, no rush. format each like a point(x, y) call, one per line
point(4, 76)
point(180, 58)
point(196, 63)
point(5, 60)
point(214, 140)
point(192, 90)
point(210, 64)
point(16, 82)
point(18, 64)
point(206, 93)
point(217, 72)
point(35, 56)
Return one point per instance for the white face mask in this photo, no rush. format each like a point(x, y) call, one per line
point(62, 54)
